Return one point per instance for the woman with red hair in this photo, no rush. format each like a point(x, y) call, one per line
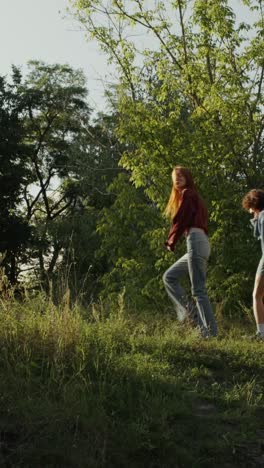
point(189, 216)
point(253, 202)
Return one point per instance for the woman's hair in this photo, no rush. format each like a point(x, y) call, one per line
point(175, 196)
point(254, 199)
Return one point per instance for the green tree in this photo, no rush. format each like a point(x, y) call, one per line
point(56, 165)
point(129, 254)
point(15, 232)
point(94, 165)
point(55, 120)
point(193, 97)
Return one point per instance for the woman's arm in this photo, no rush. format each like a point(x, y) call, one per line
point(261, 226)
point(254, 223)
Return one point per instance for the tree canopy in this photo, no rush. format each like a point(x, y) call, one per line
point(193, 96)
point(82, 197)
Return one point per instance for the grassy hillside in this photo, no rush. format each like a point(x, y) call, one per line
point(112, 389)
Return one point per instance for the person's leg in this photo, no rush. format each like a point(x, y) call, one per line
point(174, 290)
point(199, 250)
point(258, 305)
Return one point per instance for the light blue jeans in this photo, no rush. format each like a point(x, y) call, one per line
point(194, 263)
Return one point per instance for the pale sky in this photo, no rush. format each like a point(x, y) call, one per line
point(38, 30)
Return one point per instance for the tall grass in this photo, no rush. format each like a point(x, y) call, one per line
point(114, 388)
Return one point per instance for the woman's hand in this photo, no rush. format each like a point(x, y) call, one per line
point(168, 247)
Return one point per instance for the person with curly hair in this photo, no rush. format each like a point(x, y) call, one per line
point(253, 202)
point(189, 216)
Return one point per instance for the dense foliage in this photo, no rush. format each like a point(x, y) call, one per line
point(192, 94)
point(82, 198)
